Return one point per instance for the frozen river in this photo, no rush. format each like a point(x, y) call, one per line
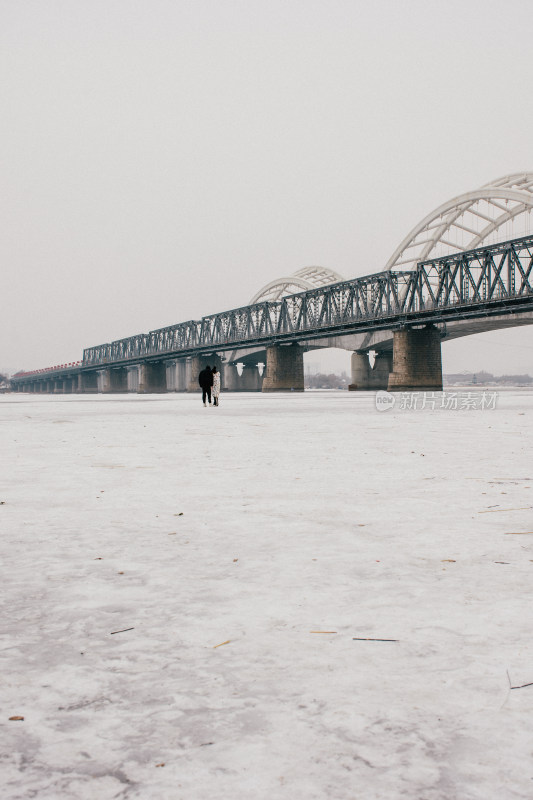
point(191, 597)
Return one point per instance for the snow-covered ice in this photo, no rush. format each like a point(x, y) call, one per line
point(278, 527)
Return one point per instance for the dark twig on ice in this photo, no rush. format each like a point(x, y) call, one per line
point(523, 686)
point(362, 639)
point(122, 631)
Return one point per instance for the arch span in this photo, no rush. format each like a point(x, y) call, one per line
point(301, 280)
point(469, 221)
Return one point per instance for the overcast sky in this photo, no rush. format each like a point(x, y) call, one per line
point(163, 160)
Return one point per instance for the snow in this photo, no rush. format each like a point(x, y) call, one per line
point(252, 526)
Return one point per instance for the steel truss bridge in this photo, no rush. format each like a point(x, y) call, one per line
point(491, 281)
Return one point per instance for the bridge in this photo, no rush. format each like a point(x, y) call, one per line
point(426, 295)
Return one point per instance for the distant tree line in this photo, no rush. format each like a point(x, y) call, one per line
point(322, 381)
point(483, 377)
point(332, 381)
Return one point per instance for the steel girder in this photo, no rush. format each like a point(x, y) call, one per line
point(497, 278)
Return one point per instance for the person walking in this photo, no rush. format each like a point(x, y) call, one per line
point(216, 385)
point(205, 379)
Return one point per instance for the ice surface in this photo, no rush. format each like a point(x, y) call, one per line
point(256, 524)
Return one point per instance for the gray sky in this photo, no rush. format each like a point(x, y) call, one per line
point(163, 160)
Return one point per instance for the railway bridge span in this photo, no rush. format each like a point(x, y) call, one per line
point(450, 277)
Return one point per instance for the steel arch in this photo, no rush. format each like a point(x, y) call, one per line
point(306, 278)
point(479, 214)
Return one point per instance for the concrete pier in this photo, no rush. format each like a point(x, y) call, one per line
point(249, 380)
point(111, 381)
point(370, 378)
point(417, 363)
point(152, 377)
point(284, 370)
point(87, 382)
point(176, 375)
point(230, 378)
point(195, 366)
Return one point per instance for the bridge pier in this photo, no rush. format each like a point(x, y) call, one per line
point(417, 363)
point(194, 368)
point(87, 382)
point(250, 380)
point(231, 378)
point(152, 377)
point(132, 378)
point(111, 381)
point(367, 378)
point(284, 371)
point(176, 375)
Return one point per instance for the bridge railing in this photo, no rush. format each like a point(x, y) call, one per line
point(487, 275)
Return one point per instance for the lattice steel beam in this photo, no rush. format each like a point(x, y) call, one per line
point(497, 278)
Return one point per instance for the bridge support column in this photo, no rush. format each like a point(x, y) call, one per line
point(181, 375)
point(284, 370)
point(251, 380)
point(230, 377)
point(360, 372)
point(367, 378)
point(176, 375)
point(132, 378)
point(152, 378)
point(103, 377)
point(87, 382)
point(194, 367)
point(112, 381)
point(417, 364)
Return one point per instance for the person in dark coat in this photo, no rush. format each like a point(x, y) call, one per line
point(205, 379)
